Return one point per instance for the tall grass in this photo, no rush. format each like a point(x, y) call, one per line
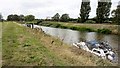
point(104, 31)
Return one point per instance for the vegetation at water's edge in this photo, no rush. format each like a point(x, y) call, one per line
point(59, 25)
point(104, 31)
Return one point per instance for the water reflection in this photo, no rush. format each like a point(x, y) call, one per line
point(70, 36)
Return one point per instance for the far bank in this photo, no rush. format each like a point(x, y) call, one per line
point(100, 28)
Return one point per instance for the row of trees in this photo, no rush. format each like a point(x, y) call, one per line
point(56, 17)
point(63, 18)
point(16, 17)
point(102, 11)
point(102, 14)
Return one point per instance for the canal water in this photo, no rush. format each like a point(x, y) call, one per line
point(71, 36)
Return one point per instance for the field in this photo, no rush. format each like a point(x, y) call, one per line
point(22, 46)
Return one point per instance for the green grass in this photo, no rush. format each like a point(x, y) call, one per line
point(20, 47)
point(0, 44)
point(75, 27)
point(30, 47)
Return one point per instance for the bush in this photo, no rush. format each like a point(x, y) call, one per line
point(89, 29)
point(56, 25)
point(48, 25)
point(38, 22)
point(64, 27)
point(74, 28)
point(81, 29)
point(90, 21)
point(105, 31)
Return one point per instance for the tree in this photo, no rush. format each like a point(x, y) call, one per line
point(85, 10)
point(116, 15)
point(21, 17)
point(1, 17)
point(65, 18)
point(9, 18)
point(56, 17)
point(79, 19)
point(12, 17)
point(29, 18)
point(16, 17)
point(113, 13)
point(103, 11)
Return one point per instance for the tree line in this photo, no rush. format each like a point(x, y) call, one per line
point(63, 18)
point(15, 17)
point(102, 14)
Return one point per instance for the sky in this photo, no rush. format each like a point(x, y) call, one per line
point(47, 8)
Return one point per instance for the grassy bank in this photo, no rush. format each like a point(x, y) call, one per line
point(22, 47)
point(100, 28)
point(31, 47)
point(0, 44)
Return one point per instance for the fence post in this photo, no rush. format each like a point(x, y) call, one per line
point(32, 25)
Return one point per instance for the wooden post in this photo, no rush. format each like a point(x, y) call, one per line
point(32, 25)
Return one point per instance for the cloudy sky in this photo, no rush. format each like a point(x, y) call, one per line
point(47, 8)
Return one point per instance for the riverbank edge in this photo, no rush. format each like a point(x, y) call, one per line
point(101, 28)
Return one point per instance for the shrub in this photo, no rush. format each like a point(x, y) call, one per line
point(56, 25)
point(90, 21)
point(48, 25)
point(38, 22)
point(73, 28)
point(105, 31)
point(88, 29)
point(65, 27)
point(81, 29)
point(45, 24)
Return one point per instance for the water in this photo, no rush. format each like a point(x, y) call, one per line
point(71, 36)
